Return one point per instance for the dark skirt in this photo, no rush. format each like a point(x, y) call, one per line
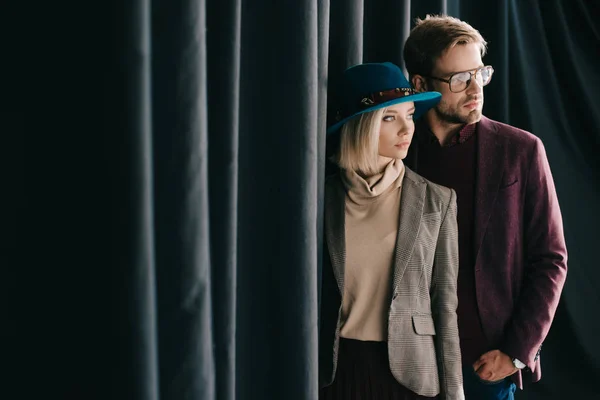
point(363, 373)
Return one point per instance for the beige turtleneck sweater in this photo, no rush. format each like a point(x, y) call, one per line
point(372, 213)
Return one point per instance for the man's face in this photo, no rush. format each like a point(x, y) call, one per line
point(464, 107)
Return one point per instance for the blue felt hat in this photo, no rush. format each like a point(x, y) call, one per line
point(371, 86)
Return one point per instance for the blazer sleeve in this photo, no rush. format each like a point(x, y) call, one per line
point(444, 302)
point(545, 264)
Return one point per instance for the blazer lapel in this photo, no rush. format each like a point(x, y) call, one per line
point(335, 234)
point(411, 211)
point(490, 168)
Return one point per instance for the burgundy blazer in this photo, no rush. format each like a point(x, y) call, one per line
point(519, 247)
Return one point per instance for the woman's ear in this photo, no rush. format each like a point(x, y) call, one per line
point(419, 83)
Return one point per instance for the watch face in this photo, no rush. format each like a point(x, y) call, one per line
point(518, 364)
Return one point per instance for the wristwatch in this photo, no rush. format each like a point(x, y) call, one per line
point(518, 364)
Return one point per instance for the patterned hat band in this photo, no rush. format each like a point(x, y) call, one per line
point(382, 97)
point(376, 98)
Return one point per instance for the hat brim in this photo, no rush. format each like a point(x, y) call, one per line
point(423, 102)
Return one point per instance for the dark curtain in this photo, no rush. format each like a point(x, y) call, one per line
point(176, 184)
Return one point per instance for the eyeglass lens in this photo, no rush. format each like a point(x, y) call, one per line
point(460, 81)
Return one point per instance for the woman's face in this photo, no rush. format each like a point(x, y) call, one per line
point(397, 128)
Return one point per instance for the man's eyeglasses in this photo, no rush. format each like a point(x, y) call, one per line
point(461, 80)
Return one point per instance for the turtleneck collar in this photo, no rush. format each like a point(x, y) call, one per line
point(365, 190)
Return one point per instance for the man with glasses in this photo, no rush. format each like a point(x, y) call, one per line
point(513, 258)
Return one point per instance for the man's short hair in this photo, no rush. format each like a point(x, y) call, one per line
point(432, 37)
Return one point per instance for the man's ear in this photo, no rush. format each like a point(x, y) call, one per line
point(419, 83)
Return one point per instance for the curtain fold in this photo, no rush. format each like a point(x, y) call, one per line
point(223, 46)
point(386, 27)
point(181, 194)
point(322, 81)
point(277, 231)
point(135, 241)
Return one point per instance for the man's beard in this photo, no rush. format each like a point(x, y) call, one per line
point(451, 117)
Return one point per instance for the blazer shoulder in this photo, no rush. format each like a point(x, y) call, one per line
point(434, 191)
point(519, 137)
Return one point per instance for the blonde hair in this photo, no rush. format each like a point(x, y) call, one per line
point(359, 143)
point(433, 36)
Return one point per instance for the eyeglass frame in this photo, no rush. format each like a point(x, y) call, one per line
point(477, 70)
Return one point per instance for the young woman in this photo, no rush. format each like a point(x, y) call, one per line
point(388, 325)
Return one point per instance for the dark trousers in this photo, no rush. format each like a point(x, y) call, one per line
point(478, 389)
point(363, 373)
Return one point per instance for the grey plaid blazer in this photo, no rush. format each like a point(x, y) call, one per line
point(423, 342)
